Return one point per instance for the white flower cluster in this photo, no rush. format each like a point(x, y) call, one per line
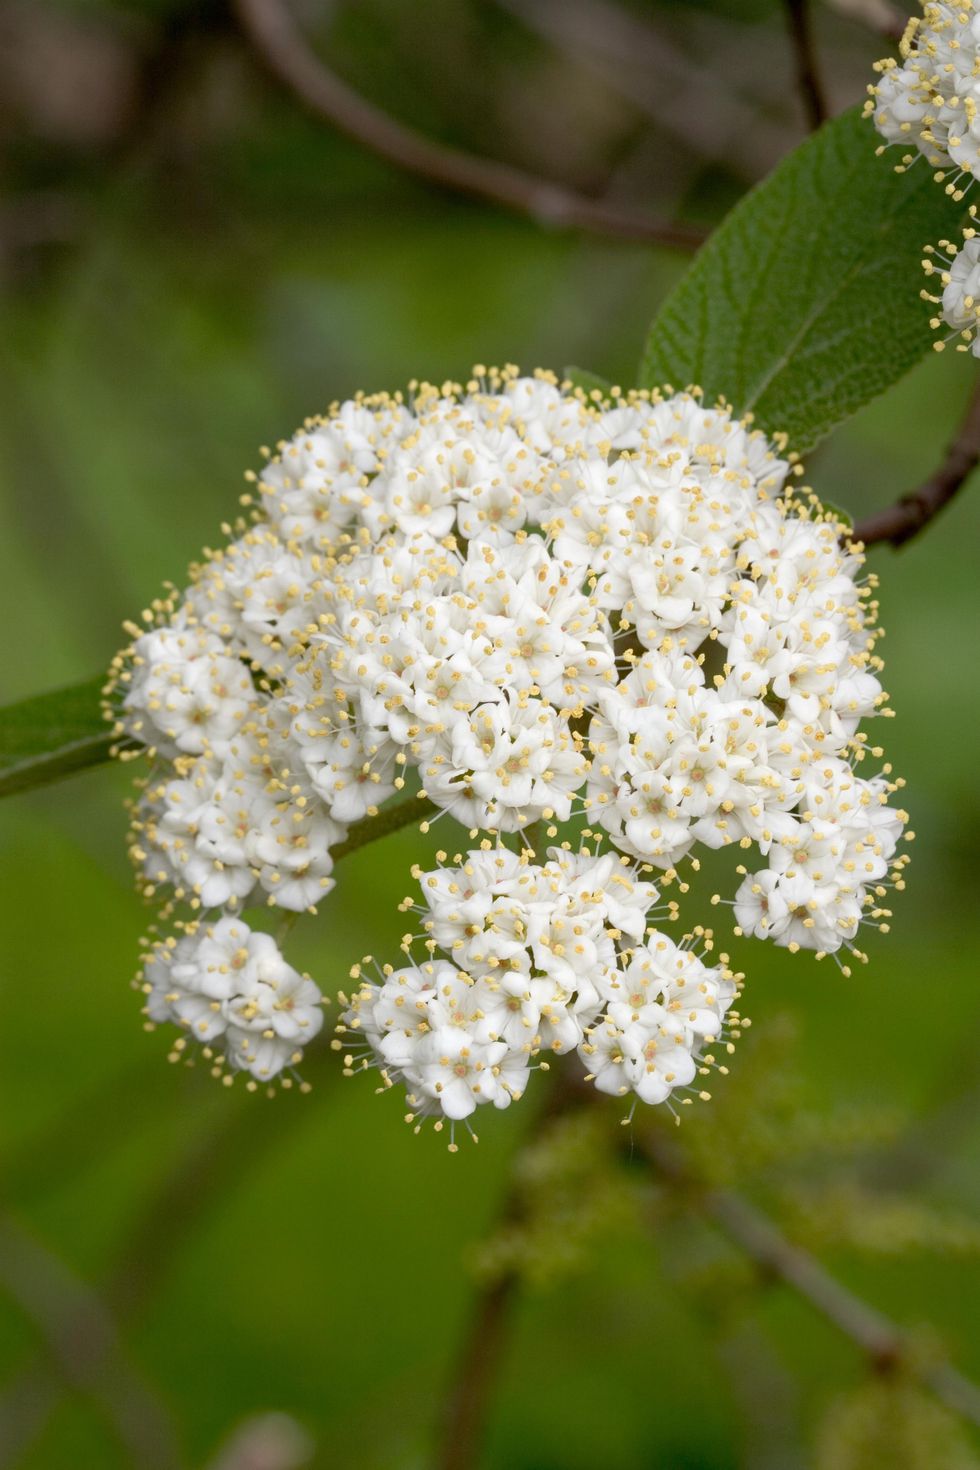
point(524, 606)
point(958, 269)
point(233, 991)
point(527, 959)
point(932, 100)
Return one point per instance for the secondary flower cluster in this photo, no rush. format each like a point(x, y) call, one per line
point(525, 959)
point(958, 269)
point(932, 101)
point(231, 988)
point(524, 606)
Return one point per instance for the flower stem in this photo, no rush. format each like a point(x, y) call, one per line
point(389, 819)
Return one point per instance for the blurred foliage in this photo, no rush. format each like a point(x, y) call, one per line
point(187, 268)
point(843, 1212)
point(569, 1200)
point(769, 1126)
point(890, 1422)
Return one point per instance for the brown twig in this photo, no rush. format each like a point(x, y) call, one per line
point(884, 1343)
point(476, 1365)
point(908, 516)
point(389, 819)
point(475, 1373)
point(799, 21)
point(696, 104)
point(283, 50)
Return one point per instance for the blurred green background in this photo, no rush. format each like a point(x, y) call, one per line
point(188, 266)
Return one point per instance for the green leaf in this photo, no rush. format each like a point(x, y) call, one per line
point(588, 382)
point(804, 304)
point(51, 736)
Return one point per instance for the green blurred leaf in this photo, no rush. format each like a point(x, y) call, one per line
point(51, 736)
point(805, 303)
point(890, 1421)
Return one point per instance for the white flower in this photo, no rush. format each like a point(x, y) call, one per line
point(185, 693)
point(959, 275)
point(540, 958)
point(677, 979)
point(230, 988)
point(651, 1055)
point(662, 1007)
point(457, 1073)
point(454, 1041)
point(514, 593)
point(510, 763)
point(930, 100)
point(317, 483)
point(291, 853)
point(794, 909)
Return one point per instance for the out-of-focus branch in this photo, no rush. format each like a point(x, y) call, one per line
point(83, 1344)
point(281, 46)
point(879, 15)
point(475, 1373)
point(389, 819)
point(898, 523)
point(690, 101)
point(799, 20)
point(477, 1363)
point(884, 1343)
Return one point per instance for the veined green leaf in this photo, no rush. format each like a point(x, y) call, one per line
point(805, 303)
point(52, 736)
